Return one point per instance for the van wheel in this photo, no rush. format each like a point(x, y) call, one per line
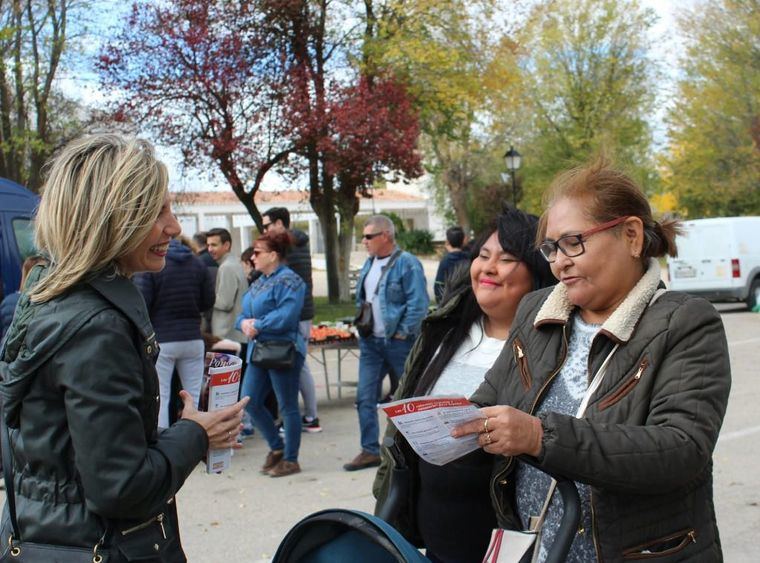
point(754, 294)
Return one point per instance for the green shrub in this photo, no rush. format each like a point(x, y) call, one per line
point(416, 241)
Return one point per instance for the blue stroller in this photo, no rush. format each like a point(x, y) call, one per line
point(346, 536)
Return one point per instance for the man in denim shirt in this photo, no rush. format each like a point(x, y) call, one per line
point(394, 283)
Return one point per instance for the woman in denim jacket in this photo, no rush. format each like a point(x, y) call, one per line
point(271, 309)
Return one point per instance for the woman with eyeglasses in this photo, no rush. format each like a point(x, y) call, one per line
point(611, 381)
point(271, 312)
point(449, 511)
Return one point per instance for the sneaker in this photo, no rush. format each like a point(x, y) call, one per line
point(281, 429)
point(285, 468)
point(310, 426)
point(273, 458)
point(362, 461)
point(246, 433)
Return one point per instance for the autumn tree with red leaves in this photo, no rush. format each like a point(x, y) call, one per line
point(255, 85)
point(351, 133)
point(200, 75)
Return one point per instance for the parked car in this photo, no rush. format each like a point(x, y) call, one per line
point(17, 207)
point(719, 259)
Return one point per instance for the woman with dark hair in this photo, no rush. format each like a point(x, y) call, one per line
point(271, 311)
point(449, 509)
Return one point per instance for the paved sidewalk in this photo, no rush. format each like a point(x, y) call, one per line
point(242, 515)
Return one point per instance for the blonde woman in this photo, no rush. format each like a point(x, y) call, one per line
point(79, 390)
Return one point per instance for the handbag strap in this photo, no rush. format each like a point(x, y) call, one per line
point(385, 268)
point(5, 444)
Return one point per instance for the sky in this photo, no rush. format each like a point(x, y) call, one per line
point(83, 85)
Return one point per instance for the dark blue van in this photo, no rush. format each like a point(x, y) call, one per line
point(17, 206)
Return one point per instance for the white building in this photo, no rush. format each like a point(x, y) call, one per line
point(201, 211)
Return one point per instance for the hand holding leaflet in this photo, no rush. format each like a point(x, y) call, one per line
point(426, 423)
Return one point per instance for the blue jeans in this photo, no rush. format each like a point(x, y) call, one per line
point(257, 384)
point(376, 357)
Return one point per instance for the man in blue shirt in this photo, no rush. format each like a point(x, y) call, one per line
point(393, 282)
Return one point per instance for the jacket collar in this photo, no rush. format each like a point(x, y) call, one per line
point(620, 325)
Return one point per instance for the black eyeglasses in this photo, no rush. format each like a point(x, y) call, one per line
point(370, 236)
point(257, 252)
point(572, 245)
point(266, 226)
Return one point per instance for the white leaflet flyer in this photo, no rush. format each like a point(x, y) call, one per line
point(427, 422)
point(223, 380)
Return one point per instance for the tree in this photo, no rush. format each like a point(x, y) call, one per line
point(35, 118)
point(586, 85)
point(253, 86)
point(352, 128)
point(713, 159)
point(450, 52)
point(201, 76)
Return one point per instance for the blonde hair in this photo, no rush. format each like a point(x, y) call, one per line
point(608, 193)
point(102, 196)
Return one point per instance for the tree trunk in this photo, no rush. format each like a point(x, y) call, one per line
point(458, 194)
point(348, 207)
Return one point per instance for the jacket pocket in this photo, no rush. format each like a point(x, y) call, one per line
point(522, 363)
point(395, 292)
point(662, 547)
point(625, 388)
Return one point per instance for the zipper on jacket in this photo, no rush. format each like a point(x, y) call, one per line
point(626, 388)
point(156, 519)
point(522, 363)
point(497, 479)
point(641, 551)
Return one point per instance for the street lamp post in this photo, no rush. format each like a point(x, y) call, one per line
point(512, 158)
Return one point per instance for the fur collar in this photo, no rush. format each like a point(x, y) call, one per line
point(619, 326)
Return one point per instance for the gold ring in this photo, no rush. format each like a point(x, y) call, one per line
point(488, 437)
point(485, 425)
point(229, 435)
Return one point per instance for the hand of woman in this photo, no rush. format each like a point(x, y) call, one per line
point(505, 431)
point(222, 426)
point(248, 329)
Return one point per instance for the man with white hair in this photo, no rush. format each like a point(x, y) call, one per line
point(393, 282)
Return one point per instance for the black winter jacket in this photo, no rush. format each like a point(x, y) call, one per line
point(178, 295)
point(299, 260)
point(645, 443)
point(80, 395)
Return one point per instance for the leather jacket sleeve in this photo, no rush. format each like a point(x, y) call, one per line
point(122, 474)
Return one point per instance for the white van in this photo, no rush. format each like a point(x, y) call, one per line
point(719, 259)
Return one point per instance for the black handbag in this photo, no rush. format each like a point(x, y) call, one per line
point(274, 354)
point(364, 321)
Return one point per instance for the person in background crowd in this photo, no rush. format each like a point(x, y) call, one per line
point(611, 381)
point(176, 297)
point(277, 219)
point(79, 389)
point(270, 312)
point(8, 305)
point(231, 285)
point(199, 239)
point(455, 253)
point(393, 281)
point(449, 511)
point(246, 260)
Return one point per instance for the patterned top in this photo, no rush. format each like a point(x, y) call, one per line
point(564, 396)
